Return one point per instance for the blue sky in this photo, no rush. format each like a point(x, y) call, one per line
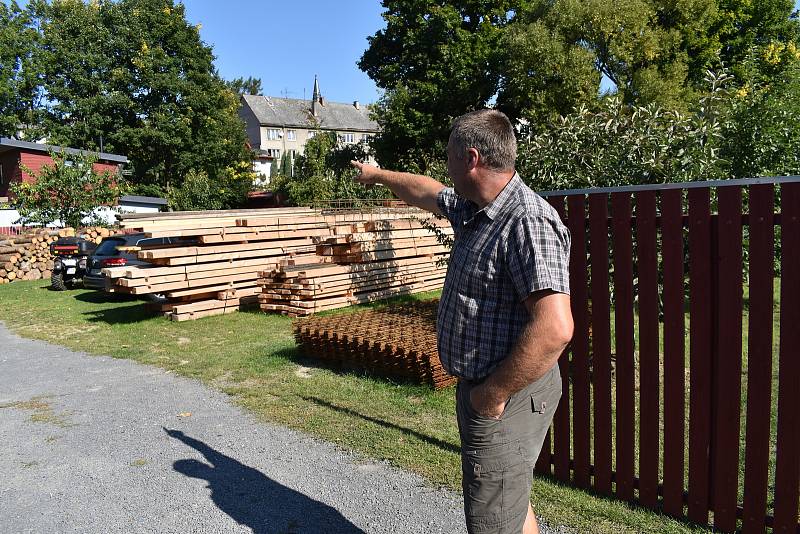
point(287, 43)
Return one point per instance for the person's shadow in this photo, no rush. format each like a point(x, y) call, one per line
point(255, 500)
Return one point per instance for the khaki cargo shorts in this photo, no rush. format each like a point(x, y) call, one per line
point(498, 455)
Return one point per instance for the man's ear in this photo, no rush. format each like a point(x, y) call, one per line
point(473, 157)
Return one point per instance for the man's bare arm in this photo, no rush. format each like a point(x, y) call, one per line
point(414, 189)
point(545, 337)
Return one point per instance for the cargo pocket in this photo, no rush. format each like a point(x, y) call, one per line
point(496, 486)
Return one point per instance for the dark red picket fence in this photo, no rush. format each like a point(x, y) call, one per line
point(650, 418)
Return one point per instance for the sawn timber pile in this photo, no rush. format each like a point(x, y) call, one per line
point(375, 260)
point(221, 269)
point(397, 341)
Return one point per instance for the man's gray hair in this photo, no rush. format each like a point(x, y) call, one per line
point(489, 132)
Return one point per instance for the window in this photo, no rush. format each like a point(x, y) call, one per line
point(291, 135)
point(273, 134)
point(366, 137)
point(273, 152)
point(348, 137)
point(311, 134)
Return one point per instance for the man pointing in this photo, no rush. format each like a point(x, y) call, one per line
point(504, 315)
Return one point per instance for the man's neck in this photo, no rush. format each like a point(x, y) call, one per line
point(490, 184)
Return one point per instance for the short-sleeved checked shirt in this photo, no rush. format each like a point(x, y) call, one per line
point(502, 253)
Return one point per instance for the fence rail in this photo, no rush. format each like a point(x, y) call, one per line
point(648, 417)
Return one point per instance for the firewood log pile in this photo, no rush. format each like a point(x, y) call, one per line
point(27, 256)
point(398, 341)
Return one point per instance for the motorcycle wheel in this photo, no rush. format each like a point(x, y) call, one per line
point(57, 282)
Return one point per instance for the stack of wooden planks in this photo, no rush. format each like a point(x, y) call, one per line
point(218, 262)
point(372, 261)
point(398, 341)
point(209, 265)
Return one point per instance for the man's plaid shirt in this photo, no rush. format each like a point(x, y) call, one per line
point(502, 253)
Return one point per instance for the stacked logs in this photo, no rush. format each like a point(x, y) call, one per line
point(27, 256)
point(398, 341)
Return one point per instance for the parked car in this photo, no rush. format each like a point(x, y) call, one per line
point(121, 250)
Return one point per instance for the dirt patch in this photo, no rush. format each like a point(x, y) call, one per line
point(42, 411)
point(303, 372)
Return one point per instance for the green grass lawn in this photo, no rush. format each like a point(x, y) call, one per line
point(252, 357)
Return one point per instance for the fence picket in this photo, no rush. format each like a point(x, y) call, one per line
point(759, 358)
point(727, 364)
point(601, 341)
point(787, 457)
point(647, 259)
point(674, 351)
point(581, 419)
point(623, 332)
point(700, 331)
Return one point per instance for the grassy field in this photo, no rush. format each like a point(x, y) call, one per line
point(252, 357)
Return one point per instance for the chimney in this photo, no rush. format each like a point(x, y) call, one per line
point(356, 104)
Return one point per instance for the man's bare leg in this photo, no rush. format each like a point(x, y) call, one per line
point(531, 526)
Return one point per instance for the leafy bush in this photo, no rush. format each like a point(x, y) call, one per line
point(627, 145)
point(323, 173)
point(763, 136)
point(198, 191)
point(67, 191)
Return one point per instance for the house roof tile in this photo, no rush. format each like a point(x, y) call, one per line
point(287, 112)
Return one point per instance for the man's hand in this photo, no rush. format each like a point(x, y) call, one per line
point(485, 404)
point(368, 174)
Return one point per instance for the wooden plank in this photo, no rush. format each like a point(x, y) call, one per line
point(759, 358)
point(699, 352)
point(623, 332)
point(601, 341)
point(276, 246)
point(674, 351)
point(134, 271)
point(405, 224)
point(193, 292)
point(728, 369)
point(787, 456)
point(160, 288)
point(581, 392)
point(210, 214)
point(396, 234)
point(227, 256)
point(319, 232)
point(649, 403)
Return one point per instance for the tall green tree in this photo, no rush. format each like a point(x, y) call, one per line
point(20, 93)
point(135, 76)
point(245, 86)
point(435, 60)
point(555, 53)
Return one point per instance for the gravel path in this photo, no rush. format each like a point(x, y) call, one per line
point(95, 444)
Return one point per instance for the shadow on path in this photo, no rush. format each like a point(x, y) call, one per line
point(255, 500)
point(436, 442)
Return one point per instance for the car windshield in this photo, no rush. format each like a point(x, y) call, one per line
point(108, 247)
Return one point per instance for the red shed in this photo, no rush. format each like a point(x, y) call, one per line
point(14, 154)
